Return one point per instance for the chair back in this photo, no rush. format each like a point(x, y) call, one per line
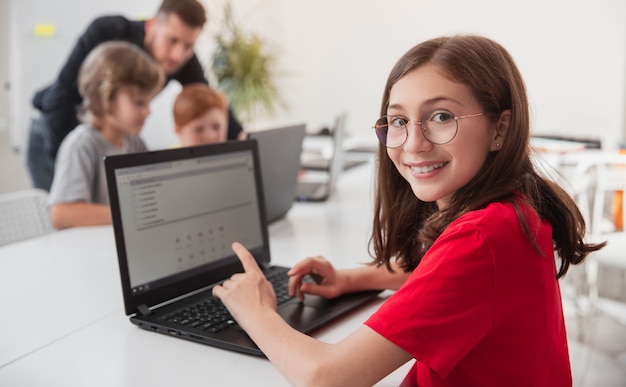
point(24, 215)
point(610, 178)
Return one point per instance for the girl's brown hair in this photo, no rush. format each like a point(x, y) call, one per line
point(108, 68)
point(405, 227)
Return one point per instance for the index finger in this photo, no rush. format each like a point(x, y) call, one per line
point(247, 260)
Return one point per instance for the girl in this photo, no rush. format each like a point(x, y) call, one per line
point(200, 115)
point(117, 81)
point(464, 229)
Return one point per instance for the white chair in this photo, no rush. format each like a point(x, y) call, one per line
point(23, 215)
point(590, 178)
point(578, 173)
point(610, 178)
point(577, 179)
point(607, 268)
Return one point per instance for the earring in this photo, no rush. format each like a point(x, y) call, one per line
point(498, 145)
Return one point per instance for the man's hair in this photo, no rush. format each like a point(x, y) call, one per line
point(191, 12)
point(195, 100)
point(110, 67)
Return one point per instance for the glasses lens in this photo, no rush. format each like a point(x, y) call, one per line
point(439, 127)
point(381, 130)
point(391, 131)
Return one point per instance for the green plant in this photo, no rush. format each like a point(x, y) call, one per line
point(243, 68)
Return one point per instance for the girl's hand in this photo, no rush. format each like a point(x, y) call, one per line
point(247, 293)
point(326, 281)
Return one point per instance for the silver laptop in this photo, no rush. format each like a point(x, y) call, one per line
point(320, 190)
point(175, 214)
point(279, 153)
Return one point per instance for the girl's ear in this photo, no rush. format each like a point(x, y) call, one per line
point(500, 131)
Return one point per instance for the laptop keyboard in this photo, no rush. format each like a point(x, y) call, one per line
point(212, 316)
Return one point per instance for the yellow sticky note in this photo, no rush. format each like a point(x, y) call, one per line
point(42, 30)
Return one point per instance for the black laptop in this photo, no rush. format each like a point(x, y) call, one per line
point(175, 214)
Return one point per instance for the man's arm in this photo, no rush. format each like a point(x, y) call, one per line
point(234, 127)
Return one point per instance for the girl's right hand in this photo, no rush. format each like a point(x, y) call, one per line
point(326, 280)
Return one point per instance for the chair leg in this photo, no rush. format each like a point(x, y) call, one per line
point(584, 284)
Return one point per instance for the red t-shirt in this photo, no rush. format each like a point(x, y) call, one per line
point(483, 308)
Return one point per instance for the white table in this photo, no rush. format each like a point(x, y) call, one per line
point(71, 278)
point(53, 285)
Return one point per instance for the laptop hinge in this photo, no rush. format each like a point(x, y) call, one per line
point(144, 310)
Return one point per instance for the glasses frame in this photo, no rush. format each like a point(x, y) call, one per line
point(406, 128)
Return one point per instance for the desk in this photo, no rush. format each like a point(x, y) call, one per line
point(86, 340)
point(68, 277)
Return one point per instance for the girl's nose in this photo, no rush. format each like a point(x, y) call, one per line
point(415, 140)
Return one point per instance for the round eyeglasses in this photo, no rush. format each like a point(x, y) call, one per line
point(438, 127)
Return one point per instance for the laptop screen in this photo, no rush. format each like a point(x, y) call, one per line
point(176, 218)
point(279, 151)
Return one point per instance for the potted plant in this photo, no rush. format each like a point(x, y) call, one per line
point(243, 67)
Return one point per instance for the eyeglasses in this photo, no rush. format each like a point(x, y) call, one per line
point(438, 127)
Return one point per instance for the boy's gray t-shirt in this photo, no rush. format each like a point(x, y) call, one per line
point(79, 171)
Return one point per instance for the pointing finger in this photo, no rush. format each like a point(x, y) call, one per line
point(247, 260)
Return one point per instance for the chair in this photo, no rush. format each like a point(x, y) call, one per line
point(611, 178)
point(589, 177)
point(590, 180)
point(607, 267)
point(577, 179)
point(24, 215)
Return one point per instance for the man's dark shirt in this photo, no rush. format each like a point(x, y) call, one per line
point(59, 101)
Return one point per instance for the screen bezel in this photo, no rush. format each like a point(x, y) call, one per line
point(219, 270)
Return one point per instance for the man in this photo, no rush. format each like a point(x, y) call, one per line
point(169, 38)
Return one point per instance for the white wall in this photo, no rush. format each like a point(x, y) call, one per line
point(36, 61)
point(572, 54)
point(335, 55)
point(4, 65)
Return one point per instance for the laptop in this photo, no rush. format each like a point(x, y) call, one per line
point(320, 190)
point(175, 214)
point(279, 153)
point(321, 163)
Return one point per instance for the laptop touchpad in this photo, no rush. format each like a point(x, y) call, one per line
point(297, 314)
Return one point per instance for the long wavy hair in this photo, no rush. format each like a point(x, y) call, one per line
point(405, 227)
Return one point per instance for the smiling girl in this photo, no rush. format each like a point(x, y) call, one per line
point(465, 230)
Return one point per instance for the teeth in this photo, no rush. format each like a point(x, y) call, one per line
point(427, 169)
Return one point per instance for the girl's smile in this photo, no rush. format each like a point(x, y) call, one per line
point(425, 168)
